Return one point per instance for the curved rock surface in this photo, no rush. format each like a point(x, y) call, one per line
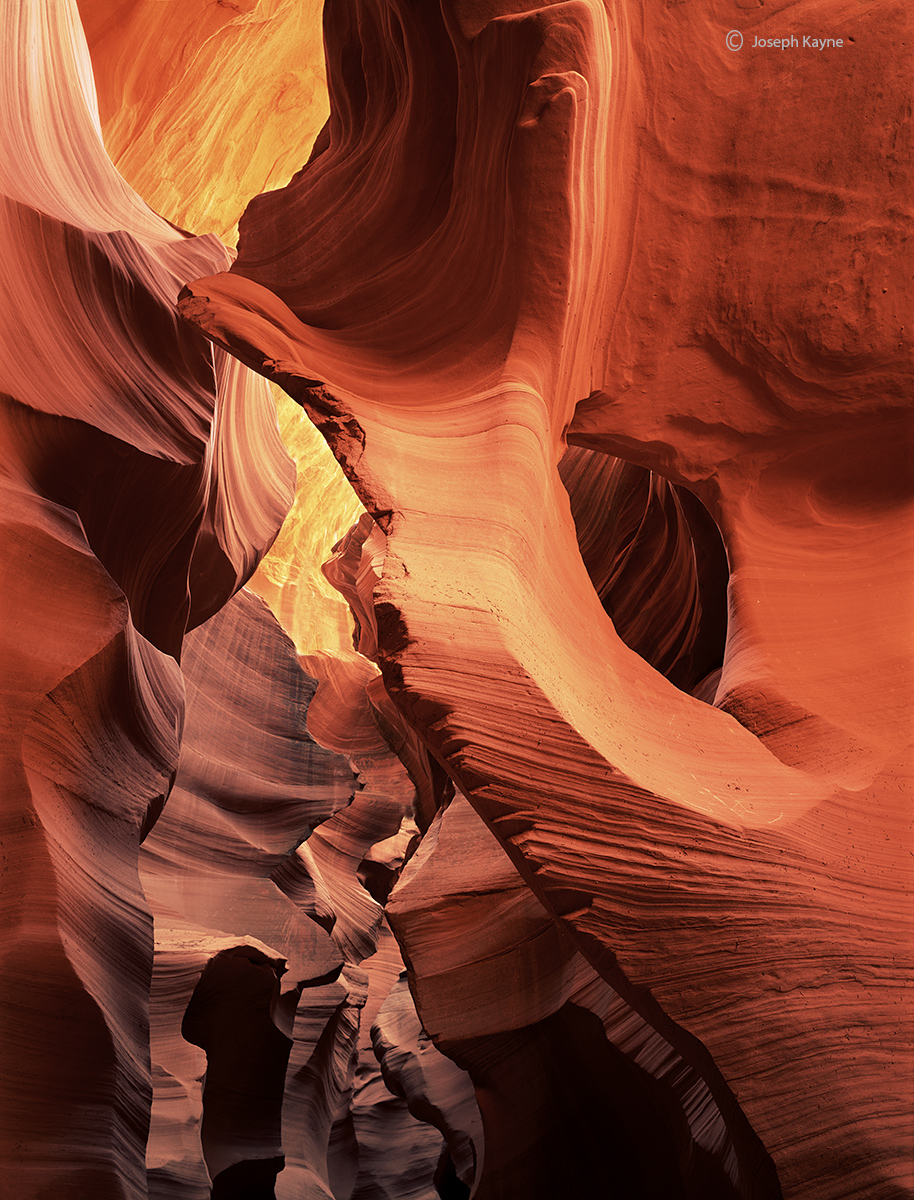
point(293, 1097)
point(158, 67)
point(519, 225)
point(550, 1041)
point(655, 559)
point(605, 322)
point(125, 522)
point(289, 578)
point(436, 1091)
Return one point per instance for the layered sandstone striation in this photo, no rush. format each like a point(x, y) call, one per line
point(251, 786)
point(157, 68)
point(125, 523)
point(185, 1018)
point(175, 84)
point(539, 828)
point(579, 223)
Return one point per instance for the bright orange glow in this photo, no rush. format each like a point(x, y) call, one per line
point(171, 77)
point(289, 579)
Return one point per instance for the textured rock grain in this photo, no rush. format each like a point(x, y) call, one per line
point(606, 325)
point(125, 521)
point(566, 226)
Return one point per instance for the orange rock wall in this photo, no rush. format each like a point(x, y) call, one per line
point(586, 229)
point(157, 67)
point(549, 832)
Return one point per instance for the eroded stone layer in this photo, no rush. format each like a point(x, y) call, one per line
point(525, 226)
point(125, 522)
point(175, 82)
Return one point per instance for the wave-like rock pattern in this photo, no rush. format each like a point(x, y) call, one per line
point(655, 559)
point(253, 874)
point(251, 787)
point(289, 578)
point(522, 227)
point(464, 916)
point(175, 1163)
point(125, 522)
point(483, 237)
point(400, 1150)
point(145, 409)
point(254, 831)
point(159, 68)
point(264, 852)
point(435, 1089)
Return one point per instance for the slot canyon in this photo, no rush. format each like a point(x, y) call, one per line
point(457, 606)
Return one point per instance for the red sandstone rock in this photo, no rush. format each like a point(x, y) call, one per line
point(292, 1086)
point(251, 785)
point(597, 221)
point(531, 227)
point(464, 917)
point(174, 1154)
point(124, 522)
point(158, 66)
point(398, 1154)
point(434, 1087)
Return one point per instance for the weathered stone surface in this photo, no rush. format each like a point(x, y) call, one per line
point(605, 322)
point(572, 223)
point(125, 521)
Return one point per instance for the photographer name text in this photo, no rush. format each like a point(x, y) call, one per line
point(790, 43)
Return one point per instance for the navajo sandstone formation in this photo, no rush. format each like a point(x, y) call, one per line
point(579, 867)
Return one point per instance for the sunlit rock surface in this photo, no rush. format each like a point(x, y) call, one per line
point(125, 522)
point(188, 174)
point(309, 608)
point(158, 66)
point(572, 862)
point(581, 222)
